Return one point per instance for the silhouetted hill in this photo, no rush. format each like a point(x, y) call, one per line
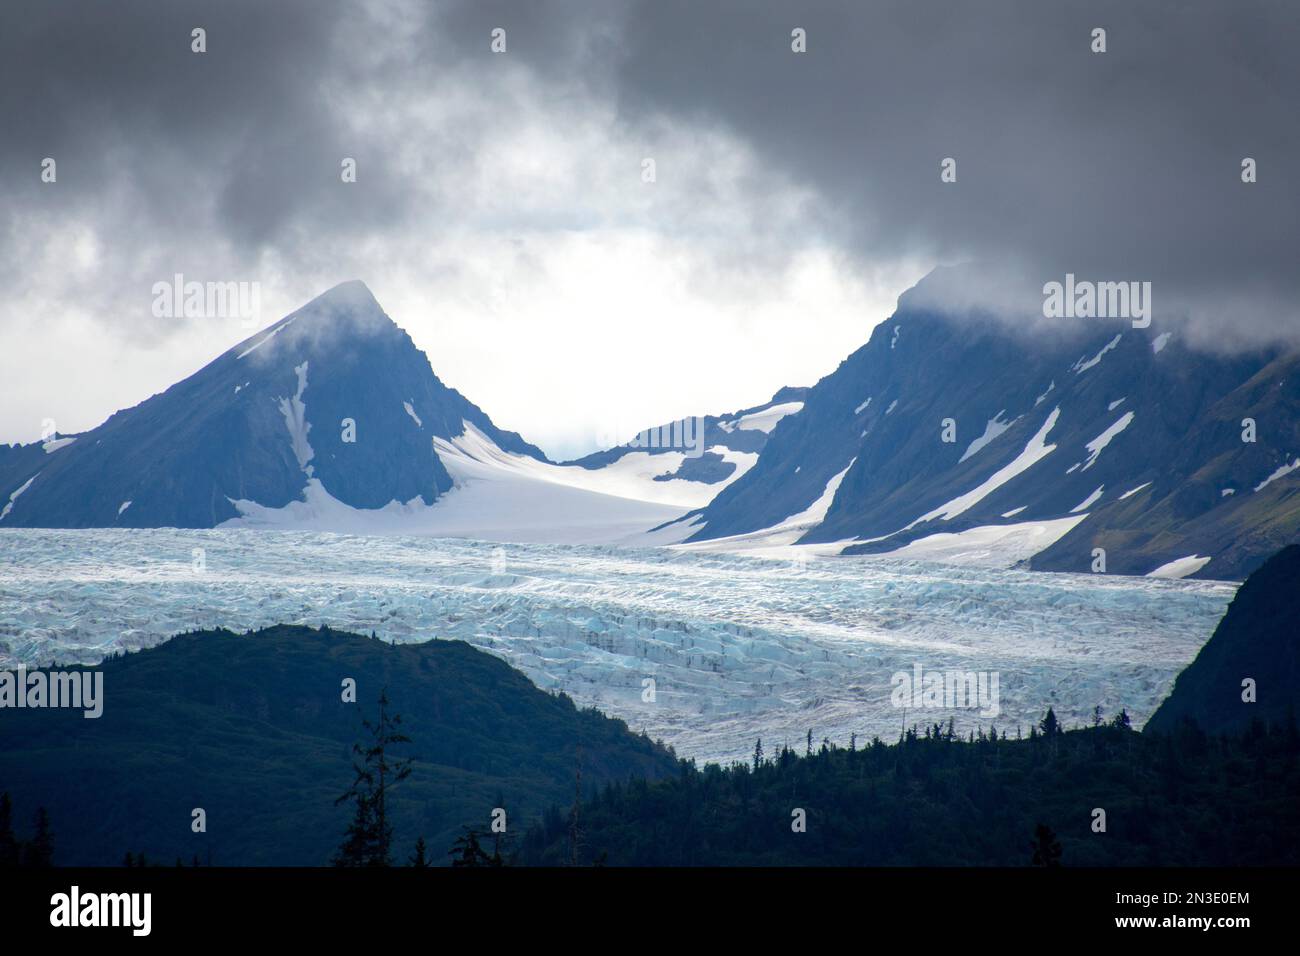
point(1259, 639)
point(252, 728)
point(1182, 799)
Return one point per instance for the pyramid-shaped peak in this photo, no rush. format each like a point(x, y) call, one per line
point(339, 313)
point(352, 294)
point(347, 306)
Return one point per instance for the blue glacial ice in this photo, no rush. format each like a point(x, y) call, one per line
point(738, 647)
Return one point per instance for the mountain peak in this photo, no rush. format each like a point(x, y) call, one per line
point(351, 294)
point(334, 399)
point(351, 300)
point(337, 313)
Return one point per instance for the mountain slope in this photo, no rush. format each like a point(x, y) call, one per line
point(262, 423)
point(1258, 639)
point(331, 419)
point(1089, 435)
point(253, 729)
point(727, 447)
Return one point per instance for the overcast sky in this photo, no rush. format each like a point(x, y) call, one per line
point(500, 213)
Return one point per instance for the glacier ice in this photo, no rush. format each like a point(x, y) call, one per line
point(739, 647)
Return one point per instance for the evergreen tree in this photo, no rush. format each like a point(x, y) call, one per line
point(1050, 726)
point(369, 838)
point(8, 844)
point(39, 852)
point(419, 858)
point(1122, 720)
point(467, 851)
point(575, 829)
point(1047, 849)
point(758, 753)
point(360, 839)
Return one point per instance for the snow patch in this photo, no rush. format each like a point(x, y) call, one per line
point(992, 430)
point(57, 443)
point(410, 410)
point(123, 506)
point(1081, 366)
point(1180, 568)
point(1161, 341)
point(9, 506)
point(765, 420)
point(1132, 491)
point(778, 541)
point(861, 408)
point(1116, 404)
point(1014, 511)
point(1098, 444)
point(1282, 472)
point(503, 496)
point(504, 508)
point(266, 338)
point(815, 513)
point(473, 456)
point(1089, 501)
point(1034, 452)
point(295, 419)
point(996, 546)
point(1041, 398)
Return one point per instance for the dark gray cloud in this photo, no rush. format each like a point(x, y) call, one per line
point(1122, 165)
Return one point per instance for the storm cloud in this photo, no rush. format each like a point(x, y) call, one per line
point(1123, 165)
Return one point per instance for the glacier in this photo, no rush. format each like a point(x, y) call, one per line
point(737, 647)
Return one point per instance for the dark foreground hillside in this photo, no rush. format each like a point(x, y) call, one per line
point(1250, 668)
point(1211, 780)
point(1185, 799)
point(252, 729)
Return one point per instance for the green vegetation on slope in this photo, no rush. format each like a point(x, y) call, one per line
point(936, 800)
point(252, 729)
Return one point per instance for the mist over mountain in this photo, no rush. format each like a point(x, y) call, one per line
point(977, 440)
point(1066, 444)
point(334, 397)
